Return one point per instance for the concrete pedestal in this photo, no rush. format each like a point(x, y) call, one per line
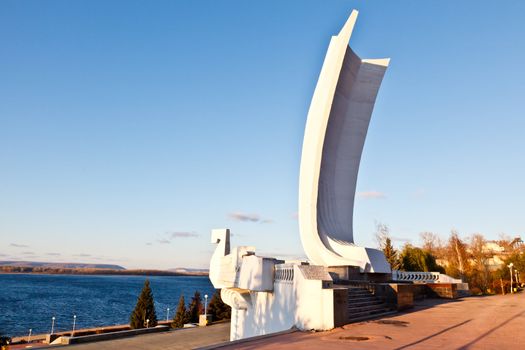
point(204, 320)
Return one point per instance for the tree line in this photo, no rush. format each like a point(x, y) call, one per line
point(144, 314)
point(470, 258)
point(92, 271)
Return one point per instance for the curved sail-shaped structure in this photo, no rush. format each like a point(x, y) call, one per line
point(335, 133)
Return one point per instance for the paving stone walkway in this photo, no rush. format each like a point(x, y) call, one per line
point(189, 338)
point(494, 322)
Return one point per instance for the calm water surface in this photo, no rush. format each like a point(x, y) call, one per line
point(29, 301)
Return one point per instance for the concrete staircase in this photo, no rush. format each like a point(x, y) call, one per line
point(363, 305)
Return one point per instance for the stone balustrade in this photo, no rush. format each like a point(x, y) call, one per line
point(284, 274)
point(422, 277)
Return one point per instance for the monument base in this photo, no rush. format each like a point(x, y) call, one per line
point(352, 273)
point(268, 295)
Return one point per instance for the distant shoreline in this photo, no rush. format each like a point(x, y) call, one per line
point(91, 271)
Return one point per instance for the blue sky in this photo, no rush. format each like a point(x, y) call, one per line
point(130, 129)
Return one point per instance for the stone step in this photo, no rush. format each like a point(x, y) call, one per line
point(358, 290)
point(362, 298)
point(363, 305)
point(355, 294)
point(374, 301)
point(369, 308)
point(355, 288)
point(369, 304)
point(369, 316)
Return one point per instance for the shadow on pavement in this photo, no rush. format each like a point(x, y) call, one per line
point(434, 335)
point(466, 346)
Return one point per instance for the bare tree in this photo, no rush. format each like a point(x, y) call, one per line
point(480, 260)
point(505, 241)
point(384, 241)
point(457, 256)
point(382, 234)
point(432, 243)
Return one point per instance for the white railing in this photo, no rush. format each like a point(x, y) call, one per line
point(421, 277)
point(447, 279)
point(283, 274)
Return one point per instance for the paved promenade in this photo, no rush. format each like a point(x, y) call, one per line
point(183, 339)
point(495, 322)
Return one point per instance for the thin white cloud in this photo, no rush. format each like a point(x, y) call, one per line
point(238, 216)
point(244, 217)
point(183, 234)
point(16, 245)
point(371, 195)
point(170, 236)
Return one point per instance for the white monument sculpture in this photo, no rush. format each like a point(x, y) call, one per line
point(333, 142)
point(269, 295)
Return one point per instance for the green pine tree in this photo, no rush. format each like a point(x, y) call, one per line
point(4, 341)
point(195, 308)
point(144, 310)
point(217, 308)
point(181, 316)
point(391, 254)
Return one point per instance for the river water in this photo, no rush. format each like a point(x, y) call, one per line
point(30, 301)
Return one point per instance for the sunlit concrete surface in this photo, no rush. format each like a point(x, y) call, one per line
point(334, 137)
point(175, 340)
point(495, 322)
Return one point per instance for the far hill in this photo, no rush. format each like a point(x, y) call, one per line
point(188, 270)
point(35, 267)
point(54, 265)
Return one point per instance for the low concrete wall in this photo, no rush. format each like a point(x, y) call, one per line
point(340, 307)
point(113, 335)
point(402, 295)
point(405, 296)
point(398, 296)
point(420, 291)
point(51, 338)
point(442, 290)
